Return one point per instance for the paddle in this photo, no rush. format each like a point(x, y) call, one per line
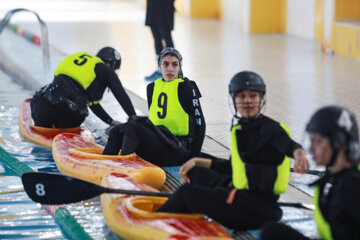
point(311, 172)
point(297, 205)
point(47, 188)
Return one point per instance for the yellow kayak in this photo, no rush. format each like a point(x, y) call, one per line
point(135, 217)
point(41, 135)
point(76, 157)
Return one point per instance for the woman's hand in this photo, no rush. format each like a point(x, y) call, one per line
point(190, 164)
point(301, 162)
point(114, 122)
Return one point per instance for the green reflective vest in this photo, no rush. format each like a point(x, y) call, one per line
point(80, 67)
point(239, 177)
point(165, 108)
point(322, 225)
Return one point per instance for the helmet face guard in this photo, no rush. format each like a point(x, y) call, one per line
point(247, 80)
point(111, 56)
point(339, 126)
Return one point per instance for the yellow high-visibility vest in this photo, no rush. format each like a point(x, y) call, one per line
point(322, 225)
point(165, 108)
point(240, 179)
point(80, 67)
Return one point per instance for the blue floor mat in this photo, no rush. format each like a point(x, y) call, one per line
point(174, 171)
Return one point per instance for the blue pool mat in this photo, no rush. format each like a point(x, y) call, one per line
point(174, 171)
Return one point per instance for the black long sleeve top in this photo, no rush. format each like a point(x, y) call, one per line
point(106, 77)
point(261, 140)
point(189, 100)
point(339, 203)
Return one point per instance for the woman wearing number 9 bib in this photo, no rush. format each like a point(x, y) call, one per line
point(80, 81)
point(175, 128)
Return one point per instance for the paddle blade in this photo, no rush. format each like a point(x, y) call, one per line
point(48, 188)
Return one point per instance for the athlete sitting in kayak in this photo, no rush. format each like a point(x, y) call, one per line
point(175, 128)
point(242, 193)
point(80, 81)
point(334, 137)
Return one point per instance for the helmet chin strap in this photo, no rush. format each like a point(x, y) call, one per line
point(262, 104)
point(333, 158)
point(324, 179)
point(235, 118)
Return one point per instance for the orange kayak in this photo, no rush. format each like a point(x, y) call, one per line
point(77, 157)
point(41, 135)
point(135, 217)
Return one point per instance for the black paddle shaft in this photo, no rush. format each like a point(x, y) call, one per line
point(311, 172)
point(47, 188)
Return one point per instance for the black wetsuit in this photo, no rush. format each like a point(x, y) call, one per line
point(63, 103)
point(261, 141)
point(339, 205)
point(156, 144)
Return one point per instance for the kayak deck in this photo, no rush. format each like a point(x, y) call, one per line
point(135, 217)
point(74, 156)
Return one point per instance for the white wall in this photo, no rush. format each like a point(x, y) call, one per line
point(237, 11)
point(300, 18)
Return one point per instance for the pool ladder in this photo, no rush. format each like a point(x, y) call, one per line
point(44, 33)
